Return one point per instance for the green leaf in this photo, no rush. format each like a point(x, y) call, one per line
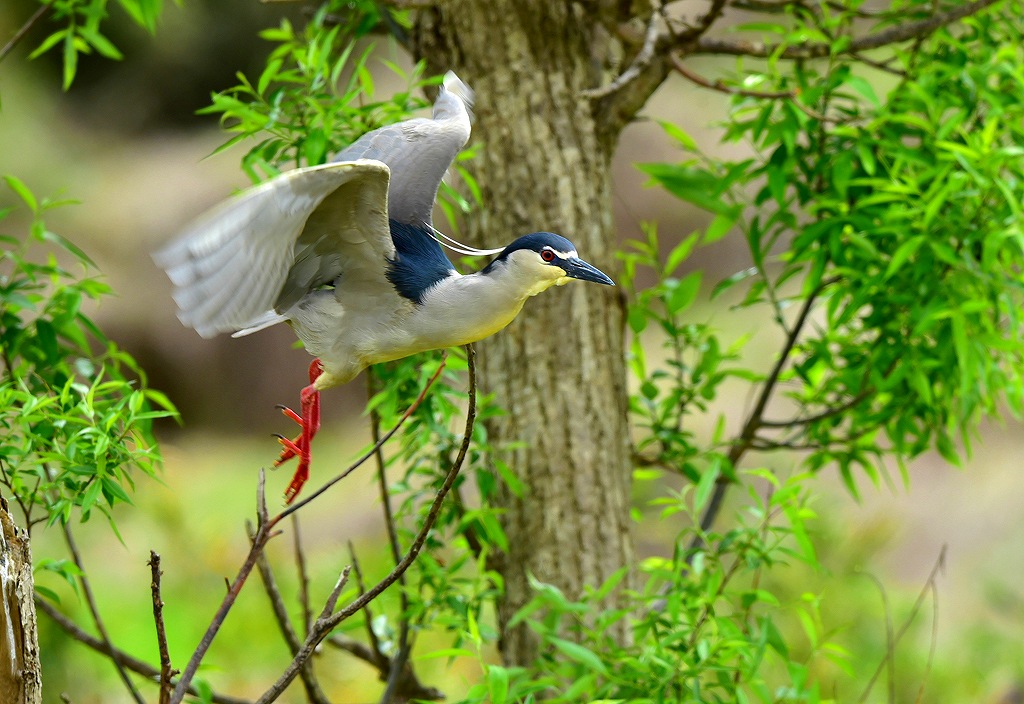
point(580, 654)
point(70, 59)
point(865, 89)
point(706, 485)
point(100, 43)
point(48, 43)
point(23, 192)
point(113, 490)
point(902, 254)
point(680, 135)
point(684, 293)
point(497, 684)
point(719, 227)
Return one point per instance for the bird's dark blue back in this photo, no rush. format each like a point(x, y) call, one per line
point(419, 261)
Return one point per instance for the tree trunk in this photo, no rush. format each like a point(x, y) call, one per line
point(559, 370)
point(20, 680)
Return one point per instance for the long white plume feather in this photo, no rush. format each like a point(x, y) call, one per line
point(456, 246)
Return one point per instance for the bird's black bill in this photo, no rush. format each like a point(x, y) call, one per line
point(579, 269)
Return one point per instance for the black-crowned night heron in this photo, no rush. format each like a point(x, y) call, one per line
point(346, 254)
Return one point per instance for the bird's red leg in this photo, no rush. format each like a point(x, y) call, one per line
point(309, 421)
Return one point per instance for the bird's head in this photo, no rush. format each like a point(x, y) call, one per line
point(543, 259)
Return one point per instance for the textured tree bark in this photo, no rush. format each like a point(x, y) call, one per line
point(559, 370)
point(20, 678)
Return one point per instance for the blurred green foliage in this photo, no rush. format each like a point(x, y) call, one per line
point(75, 412)
point(81, 33)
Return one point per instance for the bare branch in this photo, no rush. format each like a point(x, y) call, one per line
point(309, 681)
point(264, 532)
point(827, 413)
point(930, 585)
point(274, 594)
point(704, 23)
point(166, 673)
point(90, 601)
point(332, 599)
point(721, 87)
point(22, 31)
point(323, 626)
point(893, 35)
point(398, 666)
point(640, 61)
point(354, 648)
point(748, 436)
point(134, 664)
point(300, 565)
point(380, 660)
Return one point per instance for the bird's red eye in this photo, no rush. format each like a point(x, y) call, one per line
point(547, 255)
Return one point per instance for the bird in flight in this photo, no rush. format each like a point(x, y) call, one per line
point(346, 254)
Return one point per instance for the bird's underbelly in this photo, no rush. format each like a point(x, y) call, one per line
point(422, 333)
point(348, 341)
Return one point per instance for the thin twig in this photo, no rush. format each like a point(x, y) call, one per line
point(355, 648)
point(890, 645)
point(166, 672)
point(754, 421)
point(929, 585)
point(791, 95)
point(264, 532)
point(721, 87)
point(931, 646)
point(402, 650)
point(827, 413)
point(313, 691)
point(274, 594)
point(300, 566)
point(134, 664)
point(880, 65)
point(25, 29)
point(380, 659)
point(90, 601)
point(324, 626)
point(704, 23)
point(263, 535)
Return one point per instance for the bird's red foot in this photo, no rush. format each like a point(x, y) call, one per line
point(309, 422)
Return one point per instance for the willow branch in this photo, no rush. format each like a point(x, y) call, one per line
point(721, 87)
point(815, 50)
point(823, 415)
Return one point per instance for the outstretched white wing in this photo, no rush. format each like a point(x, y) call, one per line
point(266, 248)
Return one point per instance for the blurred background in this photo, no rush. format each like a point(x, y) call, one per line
point(127, 144)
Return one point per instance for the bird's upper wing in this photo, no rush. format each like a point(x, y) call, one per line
point(419, 151)
point(269, 246)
